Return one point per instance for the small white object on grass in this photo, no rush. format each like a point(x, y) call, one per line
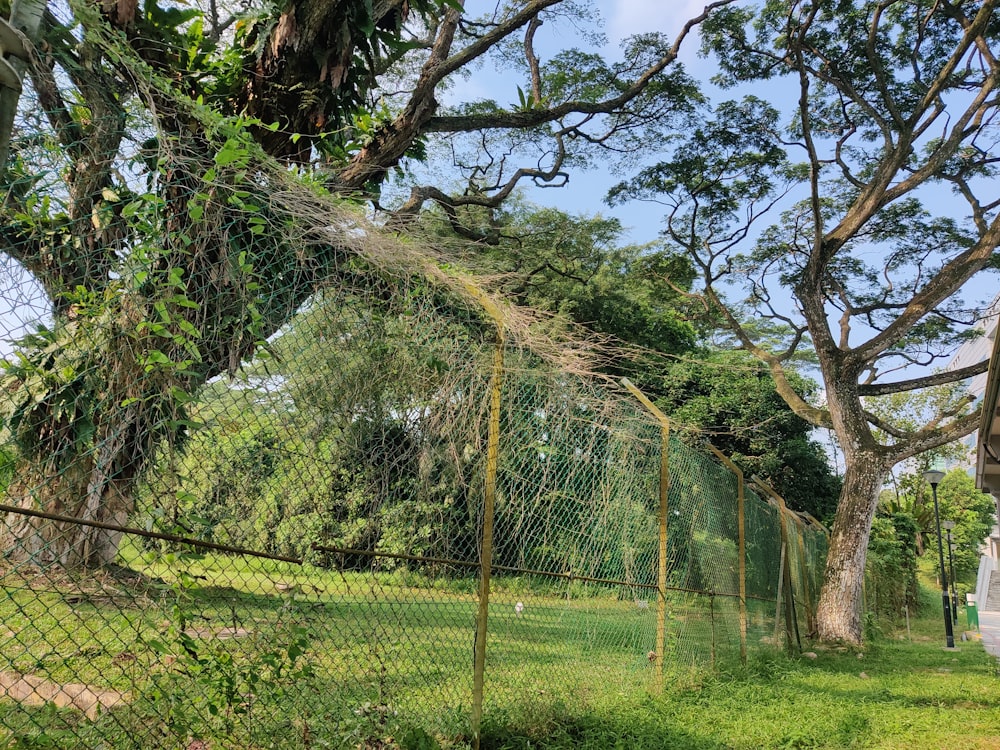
point(641, 604)
point(519, 608)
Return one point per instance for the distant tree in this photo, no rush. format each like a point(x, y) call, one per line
point(731, 398)
point(974, 514)
point(579, 266)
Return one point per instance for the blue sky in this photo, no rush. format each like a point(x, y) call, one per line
point(620, 19)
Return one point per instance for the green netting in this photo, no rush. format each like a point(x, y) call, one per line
point(354, 446)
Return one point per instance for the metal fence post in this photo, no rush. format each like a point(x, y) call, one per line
point(489, 500)
point(806, 587)
point(711, 614)
point(780, 590)
point(661, 578)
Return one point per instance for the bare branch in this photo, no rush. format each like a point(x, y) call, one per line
point(529, 54)
point(928, 381)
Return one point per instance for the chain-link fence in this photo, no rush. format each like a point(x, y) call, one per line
point(276, 477)
point(386, 525)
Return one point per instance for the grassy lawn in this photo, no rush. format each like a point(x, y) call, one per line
point(898, 692)
point(257, 654)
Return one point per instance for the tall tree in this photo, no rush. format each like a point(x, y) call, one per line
point(883, 177)
point(171, 248)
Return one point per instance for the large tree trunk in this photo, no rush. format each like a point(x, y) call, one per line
point(81, 491)
point(84, 439)
point(838, 617)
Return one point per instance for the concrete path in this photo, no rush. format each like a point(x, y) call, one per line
point(989, 628)
point(988, 594)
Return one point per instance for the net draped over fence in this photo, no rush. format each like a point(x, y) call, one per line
point(275, 477)
point(352, 464)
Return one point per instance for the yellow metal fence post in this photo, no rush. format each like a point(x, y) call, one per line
point(780, 590)
point(806, 587)
point(661, 578)
point(489, 501)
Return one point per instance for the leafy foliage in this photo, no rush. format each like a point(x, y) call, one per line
point(577, 266)
point(891, 573)
point(974, 514)
point(731, 399)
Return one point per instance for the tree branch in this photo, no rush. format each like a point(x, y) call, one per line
point(940, 378)
point(532, 58)
point(504, 120)
point(926, 440)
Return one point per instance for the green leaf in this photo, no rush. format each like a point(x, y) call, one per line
point(156, 357)
point(229, 153)
point(183, 496)
point(182, 301)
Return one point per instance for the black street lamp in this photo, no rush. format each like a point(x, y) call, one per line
point(934, 478)
point(948, 526)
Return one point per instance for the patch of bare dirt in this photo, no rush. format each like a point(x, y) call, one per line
point(37, 691)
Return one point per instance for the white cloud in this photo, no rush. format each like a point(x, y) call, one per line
point(627, 17)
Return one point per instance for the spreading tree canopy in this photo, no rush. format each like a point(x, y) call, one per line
point(855, 219)
point(153, 192)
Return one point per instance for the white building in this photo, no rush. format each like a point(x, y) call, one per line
point(988, 469)
point(972, 352)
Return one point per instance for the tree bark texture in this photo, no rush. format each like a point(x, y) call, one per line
point(839, 614)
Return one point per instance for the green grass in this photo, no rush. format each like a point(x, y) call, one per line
point(374, 654)
point(350, 660)
point(915, 696)
point(903, 692)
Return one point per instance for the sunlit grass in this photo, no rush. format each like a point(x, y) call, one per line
point(388, 656)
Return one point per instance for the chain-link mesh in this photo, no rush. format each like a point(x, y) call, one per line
point(251, 458)
point(349, 465)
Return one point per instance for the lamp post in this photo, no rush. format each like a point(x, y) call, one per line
point(948, 526)
point(934, 478)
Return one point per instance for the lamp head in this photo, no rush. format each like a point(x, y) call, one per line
point(948, 525)
point(933, 477)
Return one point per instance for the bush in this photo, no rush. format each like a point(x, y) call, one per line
point(891, 574)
